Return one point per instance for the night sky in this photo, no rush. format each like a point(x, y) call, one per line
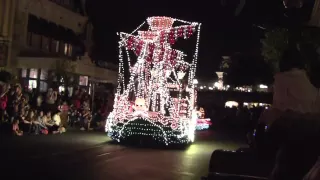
point(222, 32)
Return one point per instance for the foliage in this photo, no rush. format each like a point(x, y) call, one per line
point(8, 75)
point(245, 69)
point(5, 76)
point(63, 70)
point(276, 42)
point(273, 46)
point(248, 71)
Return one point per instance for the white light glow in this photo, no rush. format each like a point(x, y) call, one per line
point(231, 104)
point(195, 81)
point(262, 86)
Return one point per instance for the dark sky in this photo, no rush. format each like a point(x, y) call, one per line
point(222, 33)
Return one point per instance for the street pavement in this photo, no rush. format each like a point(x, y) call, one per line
point(93, 156)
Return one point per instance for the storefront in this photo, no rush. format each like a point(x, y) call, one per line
point(34, 79)
point(42, 79)
point(39, 73)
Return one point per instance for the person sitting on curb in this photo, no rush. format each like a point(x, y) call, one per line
point(57, 127)
point(15, 128)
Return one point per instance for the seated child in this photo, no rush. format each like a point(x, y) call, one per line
point(72, 116)
point(56, 127)
point(41, 123)
point(15, 128)
point(86, 120)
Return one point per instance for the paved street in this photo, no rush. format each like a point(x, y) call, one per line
point(92, 156)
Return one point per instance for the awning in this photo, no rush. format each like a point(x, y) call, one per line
point(33, 24)
point(41, 26)
point(97, 80)
point(52, 30)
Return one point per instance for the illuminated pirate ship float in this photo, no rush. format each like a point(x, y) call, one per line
point(158, 100)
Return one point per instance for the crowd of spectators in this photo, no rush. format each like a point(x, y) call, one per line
point(241, 118)
point(30, 112)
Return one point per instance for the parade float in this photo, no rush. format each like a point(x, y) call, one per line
point(203, 123)
point(156, 96)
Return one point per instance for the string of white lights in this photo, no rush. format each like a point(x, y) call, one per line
point(139, 27)
point(148, 87)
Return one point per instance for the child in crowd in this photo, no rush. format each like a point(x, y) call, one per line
point(49, 121)
point(99, 121)
point(41, 122)
point(15, 128)
point(57, 128)
point(31, 118)
point(86, 120)
point(73, 116)
point(26, 124)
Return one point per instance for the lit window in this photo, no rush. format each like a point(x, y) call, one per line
point(44, 74)
point(33, 73)
point(70, 50)
point(24, 73)
point(66, 49)
point(32, 84)
point(43, 86)
point(83, 80)
point(70, 90)
point(57, 46)
point(61, 88)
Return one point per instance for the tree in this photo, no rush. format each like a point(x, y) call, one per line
point(5, 76)
point(273, 46)
point(64, 69)
point(276, 42)
point(9, 75)
point(245, 70)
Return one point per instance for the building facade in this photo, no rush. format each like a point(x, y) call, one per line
point(315, 15)
point(40, 36)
